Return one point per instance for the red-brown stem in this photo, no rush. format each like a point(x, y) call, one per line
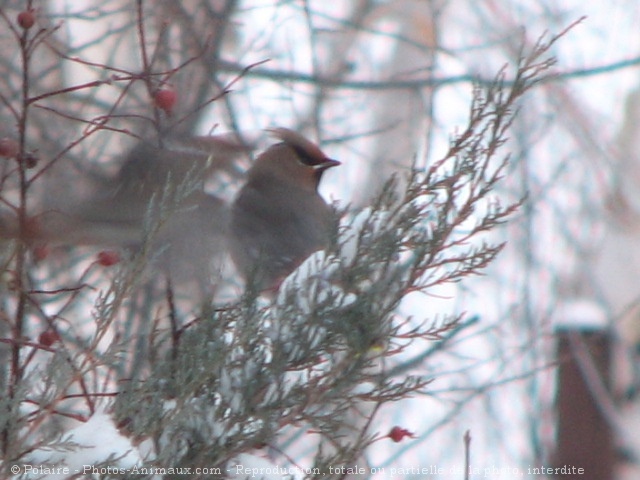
point(21, 249)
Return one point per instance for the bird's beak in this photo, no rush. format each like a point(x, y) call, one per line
point(326, 164)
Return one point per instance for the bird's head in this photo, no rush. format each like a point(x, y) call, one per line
point(294, 160)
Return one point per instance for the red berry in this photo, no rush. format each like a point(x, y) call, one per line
point(40, 252)
point(397, 434)
point(26, 19)
point(107, 258)
point(9, 148)
point(165, 99)
point(48, 338)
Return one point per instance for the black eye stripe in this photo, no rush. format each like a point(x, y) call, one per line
point(304, 156)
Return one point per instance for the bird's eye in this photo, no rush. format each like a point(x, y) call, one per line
point(305, 158)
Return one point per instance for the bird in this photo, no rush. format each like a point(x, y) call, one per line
point(273, 224)
point(156, 201)
point(169, 177)
point(278, 218)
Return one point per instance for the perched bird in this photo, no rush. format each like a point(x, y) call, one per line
point(278, 217)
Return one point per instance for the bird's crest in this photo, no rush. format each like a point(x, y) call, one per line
point(298, 141)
